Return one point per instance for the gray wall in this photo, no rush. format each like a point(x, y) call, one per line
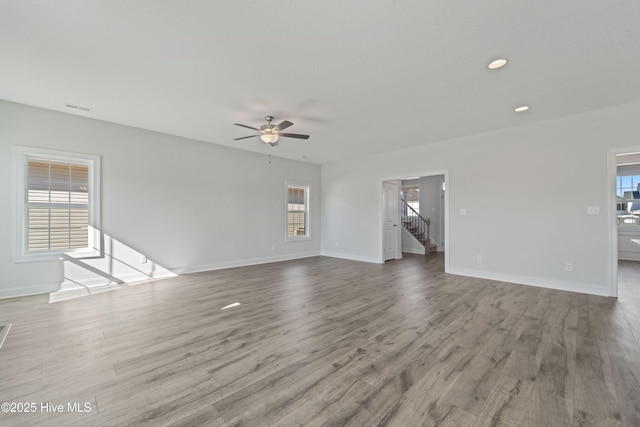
point(187, 205)
point(525, 190)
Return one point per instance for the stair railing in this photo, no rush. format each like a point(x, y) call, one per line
point(420, 225)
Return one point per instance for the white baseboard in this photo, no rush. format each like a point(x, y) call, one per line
point(351, 257)
point(101, 283)
point(137, 277)
point(241, 263)
point(77, 291)
point(413, 251)
point(90, 282)
point(29, 290)
point(533, 281)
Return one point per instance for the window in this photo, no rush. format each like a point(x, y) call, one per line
point(628, 200)
point(626, 183)
point(297, 212)
point(56, 204)
point(411, 195)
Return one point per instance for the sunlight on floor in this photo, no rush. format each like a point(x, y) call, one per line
point(235, 304)
point(120, 264)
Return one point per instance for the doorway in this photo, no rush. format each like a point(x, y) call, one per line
point(624, 234)
point(422, 201)
point(391, 220)
point(437, 211)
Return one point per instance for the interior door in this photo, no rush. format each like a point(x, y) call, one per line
point(391, 215)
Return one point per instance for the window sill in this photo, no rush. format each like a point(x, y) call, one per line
point(297, 238)
point(57, 256)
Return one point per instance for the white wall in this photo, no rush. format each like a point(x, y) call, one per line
point(526, 190)
point(187, 205)
point(410, 244)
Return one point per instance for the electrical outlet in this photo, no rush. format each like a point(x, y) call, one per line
point(479, 258)
point(568, 266)
point(463, 211)
point(273, 247)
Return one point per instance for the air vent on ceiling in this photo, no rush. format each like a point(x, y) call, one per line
point(76, 107)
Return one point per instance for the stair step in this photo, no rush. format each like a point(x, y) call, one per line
point(415, 232)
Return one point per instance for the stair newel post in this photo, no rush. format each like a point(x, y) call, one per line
point(428, 236)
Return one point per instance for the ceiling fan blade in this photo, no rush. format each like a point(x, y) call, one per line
point(245, 126)
point(283, 125)
point(273, 144)
point(294, 135)
point(245, 137)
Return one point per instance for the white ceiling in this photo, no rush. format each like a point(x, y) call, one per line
point(360, 77)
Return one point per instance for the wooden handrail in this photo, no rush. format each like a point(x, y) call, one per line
point(424, 224)
point(428, 221)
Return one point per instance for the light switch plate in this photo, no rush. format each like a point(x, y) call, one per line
point(593, 210)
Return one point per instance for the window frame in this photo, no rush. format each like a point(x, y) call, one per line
point(22, 155)
point(418, 188)
point(306, 187)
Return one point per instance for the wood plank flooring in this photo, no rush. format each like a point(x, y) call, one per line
point(327, 342)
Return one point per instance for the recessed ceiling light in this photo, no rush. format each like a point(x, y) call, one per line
point(498, 63)
point(522, 108)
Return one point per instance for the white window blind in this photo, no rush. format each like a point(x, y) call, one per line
point(297, 211)
point(57, 205)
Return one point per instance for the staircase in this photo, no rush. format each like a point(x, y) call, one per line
point(418, 227)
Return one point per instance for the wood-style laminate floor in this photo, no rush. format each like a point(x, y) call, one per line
point(325, 341)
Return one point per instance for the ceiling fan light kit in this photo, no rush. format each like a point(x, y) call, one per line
point(269, 138)
point(270, 133)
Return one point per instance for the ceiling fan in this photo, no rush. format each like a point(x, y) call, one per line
point(269, 133)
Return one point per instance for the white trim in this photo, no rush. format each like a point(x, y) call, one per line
point(612, 240)
point(413, 251)
point(137, 277)
point(29, 290)
point(20, 156)
point(352, 257)
point(125, 278)
point(307, 214)
point(533, 281)
point(78, 291)
point(611, 214)
point(241, 263)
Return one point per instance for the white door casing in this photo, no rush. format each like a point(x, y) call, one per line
point(391, 219)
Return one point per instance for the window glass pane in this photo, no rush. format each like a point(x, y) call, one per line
point(296, 211)
point(411, 195)
point(79, 184)
point(38, 232)
point(629, 208)
point(57, 211)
